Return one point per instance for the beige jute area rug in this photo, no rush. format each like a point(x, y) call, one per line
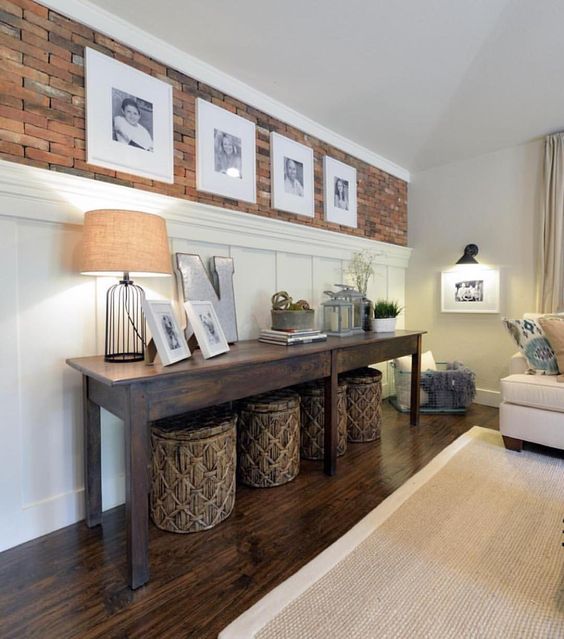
point(471, 546)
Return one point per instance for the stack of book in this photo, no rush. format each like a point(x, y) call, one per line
point(292, 336)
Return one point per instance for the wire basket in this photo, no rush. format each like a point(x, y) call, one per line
point(449, 389)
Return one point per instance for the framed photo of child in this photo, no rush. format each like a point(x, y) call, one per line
point(291, 170)
point(339, 181)
point(225, 153)
point(128, 119)
point(165, 329)
point(207, 328)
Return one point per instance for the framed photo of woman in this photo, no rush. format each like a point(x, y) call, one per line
point(207, 328)
point(225, 153)
point(167, 334)
point(128, 119)
point(340, 192)
point(291, 171)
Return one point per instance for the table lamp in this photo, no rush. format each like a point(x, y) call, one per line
point(124, 244)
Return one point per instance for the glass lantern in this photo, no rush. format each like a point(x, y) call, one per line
point(357, 299)
point(337, 315)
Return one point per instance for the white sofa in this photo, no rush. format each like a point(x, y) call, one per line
point(532, 407)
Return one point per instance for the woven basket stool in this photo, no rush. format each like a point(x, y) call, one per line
point(312, 410)
point(193, 470)
point(269, 439)
point(364, 410)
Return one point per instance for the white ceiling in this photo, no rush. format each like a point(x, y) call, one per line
point(420, 82)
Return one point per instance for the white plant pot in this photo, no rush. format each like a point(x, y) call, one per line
point(384, 325)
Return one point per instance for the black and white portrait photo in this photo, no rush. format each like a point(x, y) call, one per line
point(171, 335)
point(210, 327)
point(165, 331)
point(203, 320)
point(227, 154)
point(469, 291)
point(132, 120)
point(341, 193)
point(339, 190)
point(293, 177)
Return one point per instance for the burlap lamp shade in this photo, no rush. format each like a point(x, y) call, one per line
point(126, 244)
point(117, 242)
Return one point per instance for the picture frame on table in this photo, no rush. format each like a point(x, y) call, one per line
point(206, 326)
point(339, 180)
point(225, 153)
point(292, 179)
point(470, 290)
point(165, 329)
point(129, 124)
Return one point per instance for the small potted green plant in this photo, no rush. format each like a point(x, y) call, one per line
point(385, 315)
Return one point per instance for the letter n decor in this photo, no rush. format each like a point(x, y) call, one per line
point(196, 285)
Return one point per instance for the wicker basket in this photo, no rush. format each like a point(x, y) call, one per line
point(269, 439)
point(193, 470)
point(312, 410)
point(364, 411)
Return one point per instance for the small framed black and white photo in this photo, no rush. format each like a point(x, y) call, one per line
point(225, 153)
point(291, 171)
point(340, 192)
point(128, 119)
point(472, 289)
point(165, 329)
point(207, 328)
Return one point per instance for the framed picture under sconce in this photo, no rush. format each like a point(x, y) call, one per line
point(207, 328)
point(340, 192)
point(225, 153)
point(128, 119)
point(473, 289)
point(291, 176)
point(167, 334)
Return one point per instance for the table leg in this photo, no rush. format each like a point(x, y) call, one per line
point(331, 418)
point(136, 487)
point(92, 459)
point(415, 381)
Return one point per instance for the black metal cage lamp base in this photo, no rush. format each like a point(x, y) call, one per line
point(125, 322)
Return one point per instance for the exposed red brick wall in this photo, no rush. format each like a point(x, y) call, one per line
point(42, 123)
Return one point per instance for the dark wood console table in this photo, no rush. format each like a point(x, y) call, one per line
point(140, 394)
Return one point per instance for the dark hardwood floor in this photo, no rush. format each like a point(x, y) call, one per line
point(72, 583)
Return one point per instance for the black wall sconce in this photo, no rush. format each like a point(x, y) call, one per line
point(470, 252)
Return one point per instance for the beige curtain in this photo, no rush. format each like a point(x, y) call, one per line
point(551, 267)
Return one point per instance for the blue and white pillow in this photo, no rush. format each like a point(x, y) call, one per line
point(533, 345)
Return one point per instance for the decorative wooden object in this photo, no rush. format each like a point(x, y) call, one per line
point(312, 411)
point(269, 439)
point(364, 410)
point(193, 470)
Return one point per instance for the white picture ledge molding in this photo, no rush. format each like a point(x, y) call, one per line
point(136, 38)
point(50, 196)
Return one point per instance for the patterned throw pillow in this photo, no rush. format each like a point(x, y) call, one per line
point(534, 346)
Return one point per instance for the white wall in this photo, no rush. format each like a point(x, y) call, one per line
point(48, 312)
point(491, 201)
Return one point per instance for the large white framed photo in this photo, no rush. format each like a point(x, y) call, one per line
point(340, 192)
point(291, 176)
point(167, 334)
point(128, 119)
point(207, 328)
point(225, 153)
point(470, 290)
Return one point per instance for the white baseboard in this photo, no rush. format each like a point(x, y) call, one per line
point(42, 517)
point(488, 397)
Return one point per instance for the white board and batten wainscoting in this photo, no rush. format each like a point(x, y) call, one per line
point(50, 312)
